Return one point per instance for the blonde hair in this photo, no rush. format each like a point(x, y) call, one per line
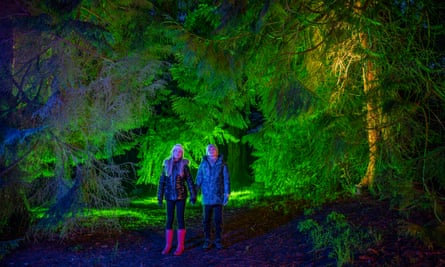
point(168, 163)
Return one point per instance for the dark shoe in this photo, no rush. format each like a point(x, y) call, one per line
point(218, 244)
point(206, 244)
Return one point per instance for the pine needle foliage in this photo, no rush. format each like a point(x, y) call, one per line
point(79, 108)
point(301, 65)
point(288, 78)
point(203, 104)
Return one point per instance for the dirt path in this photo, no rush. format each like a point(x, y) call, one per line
point(261, 236)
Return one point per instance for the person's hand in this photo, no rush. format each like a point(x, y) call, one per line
point(160, 203)
point(193, 200)
point(226, 199)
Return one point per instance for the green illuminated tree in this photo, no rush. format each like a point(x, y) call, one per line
point(391, 43)
point(340, 87)
point(77, 92)
point(198, 109)
point(327, 94)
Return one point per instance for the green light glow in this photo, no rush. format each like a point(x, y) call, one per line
point(147, 201)
point(239, 198)
point(38, 212)
point(145, 211)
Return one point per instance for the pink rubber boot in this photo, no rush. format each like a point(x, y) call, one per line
point(181, 238)
point(168, 241)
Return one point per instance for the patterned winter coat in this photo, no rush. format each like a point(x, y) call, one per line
point(173, 187)
point(213, 181)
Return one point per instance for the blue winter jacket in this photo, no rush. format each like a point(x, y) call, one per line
point(213, 181)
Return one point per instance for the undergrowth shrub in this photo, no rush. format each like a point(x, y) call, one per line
point(337, 235)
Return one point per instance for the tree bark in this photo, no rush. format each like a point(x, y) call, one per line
point(372, 122)
point(370, 87)
point(238, 163)
point(6, 54)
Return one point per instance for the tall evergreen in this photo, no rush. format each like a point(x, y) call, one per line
point(308, 98)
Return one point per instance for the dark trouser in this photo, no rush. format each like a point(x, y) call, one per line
point(209, 212)
point(180, 208)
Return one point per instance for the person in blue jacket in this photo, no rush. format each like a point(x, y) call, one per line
point(172, 186)
point(214, 183)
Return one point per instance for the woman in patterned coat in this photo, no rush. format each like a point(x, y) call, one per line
point(172, 186)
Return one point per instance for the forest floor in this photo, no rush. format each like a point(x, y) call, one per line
point(260, 235)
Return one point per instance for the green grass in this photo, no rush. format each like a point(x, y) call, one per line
point(142, 211)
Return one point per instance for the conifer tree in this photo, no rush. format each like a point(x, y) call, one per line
point(326, 78)
point(77, 92)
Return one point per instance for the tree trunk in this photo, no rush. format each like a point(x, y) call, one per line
point(14, 211)
point(372, 122)
point(370, 87)
point(238, 161)
point(6, 54)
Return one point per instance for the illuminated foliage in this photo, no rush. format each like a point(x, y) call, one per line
point(308, 98)
point(73, 106)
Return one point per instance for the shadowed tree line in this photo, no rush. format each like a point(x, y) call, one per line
point(314, 99)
